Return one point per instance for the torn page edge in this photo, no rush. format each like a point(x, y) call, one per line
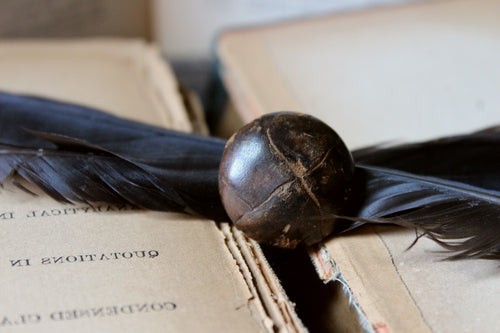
point(262, 281)
point(329, 272)
point(254, 303)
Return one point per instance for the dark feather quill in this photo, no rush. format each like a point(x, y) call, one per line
point(473, 159)
point(76, 153)
point(449, 189)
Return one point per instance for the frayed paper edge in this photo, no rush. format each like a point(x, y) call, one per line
point(329, 272)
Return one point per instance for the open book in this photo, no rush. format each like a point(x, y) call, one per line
point(402, 73)
point(105, 268)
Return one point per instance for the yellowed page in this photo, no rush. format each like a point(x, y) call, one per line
point(401, 73)
point(409, 72)
point(105, 268)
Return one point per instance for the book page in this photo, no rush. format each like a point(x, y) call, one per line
point(390, 74)
point(416, 72)
point(109, 268)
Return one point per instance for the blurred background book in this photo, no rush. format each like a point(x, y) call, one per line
point(185, 30)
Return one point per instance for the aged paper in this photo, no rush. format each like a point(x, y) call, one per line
point(398, 68)
point(113, 268)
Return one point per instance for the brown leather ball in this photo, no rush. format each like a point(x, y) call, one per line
point(282, 177)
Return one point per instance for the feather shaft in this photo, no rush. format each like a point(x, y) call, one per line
point(461, 218)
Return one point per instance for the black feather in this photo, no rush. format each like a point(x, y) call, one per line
point(472, 159)
point(449, 189)
point(79, 154)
